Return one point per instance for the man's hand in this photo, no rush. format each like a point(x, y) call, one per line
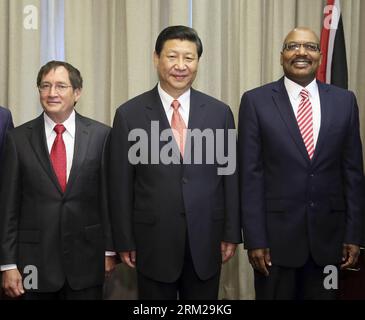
point(129, 258)
point(12, 283)
point(228, 250)
point(110, 263)
point(350, 255)
point(260, 259)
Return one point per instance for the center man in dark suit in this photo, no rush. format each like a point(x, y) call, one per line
point(54, 225)
point(301, 175)
point(176, 222)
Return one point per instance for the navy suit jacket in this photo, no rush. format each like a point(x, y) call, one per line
point(6, 123)
point(154, 206)
point(291, 204)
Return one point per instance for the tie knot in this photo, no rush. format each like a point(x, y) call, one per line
point(59, 128)
point(175, 104)
point(304, 93)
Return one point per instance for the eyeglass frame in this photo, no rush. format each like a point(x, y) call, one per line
point(59, 87)
point(305, 45)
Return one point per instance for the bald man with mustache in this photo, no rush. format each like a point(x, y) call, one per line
point(301, 177)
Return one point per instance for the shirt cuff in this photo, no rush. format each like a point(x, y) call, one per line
point(7, 267)
point(110, 253)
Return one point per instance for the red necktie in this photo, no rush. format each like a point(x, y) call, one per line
point(178, 124)
point(305, 122)
point(58, 156)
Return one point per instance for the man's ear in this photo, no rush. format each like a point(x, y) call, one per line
point(77, 94)
point(156, 58)
point(320, 59)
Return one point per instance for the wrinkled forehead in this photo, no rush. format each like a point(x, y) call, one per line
point(301, 36)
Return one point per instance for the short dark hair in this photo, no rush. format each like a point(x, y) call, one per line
point(73, 73)
point(178, 32)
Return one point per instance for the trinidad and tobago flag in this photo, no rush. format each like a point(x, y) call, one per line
point(333, 69)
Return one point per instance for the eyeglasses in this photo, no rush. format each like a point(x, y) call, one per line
point(294, 46)
point(59, 87)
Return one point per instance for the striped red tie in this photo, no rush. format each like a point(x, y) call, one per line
point(305, 122)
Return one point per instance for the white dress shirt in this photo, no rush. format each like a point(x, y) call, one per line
point(184, 100)
point(294, 90)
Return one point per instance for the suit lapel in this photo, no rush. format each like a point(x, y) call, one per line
point(155, 112)
point(39, 145)
point(82, 137)
point(283, 105)
point(326, 114)
point(197, 112)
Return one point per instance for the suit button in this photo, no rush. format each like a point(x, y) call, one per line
point(311, 204)
point(311, 175)
point(184, 180)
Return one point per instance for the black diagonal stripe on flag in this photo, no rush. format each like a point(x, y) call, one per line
point(339, 76)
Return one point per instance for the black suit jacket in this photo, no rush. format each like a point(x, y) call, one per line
point(153, 206)
point(291, 204)
point(6, 123)
point(64, 235)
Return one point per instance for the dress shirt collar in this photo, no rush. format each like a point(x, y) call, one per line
point(294, 88)
point(69, 124)
point(166, 99)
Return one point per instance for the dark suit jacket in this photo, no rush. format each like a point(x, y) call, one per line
point(64, 235)
point(6, 123)
point(290, 204)
point(154, 205)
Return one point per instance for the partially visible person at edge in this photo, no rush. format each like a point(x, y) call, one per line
point(6, 123)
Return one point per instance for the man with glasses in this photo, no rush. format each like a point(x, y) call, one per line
point(53, 211)
point(301, 177)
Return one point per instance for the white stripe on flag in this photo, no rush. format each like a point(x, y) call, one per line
point(336, 13)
